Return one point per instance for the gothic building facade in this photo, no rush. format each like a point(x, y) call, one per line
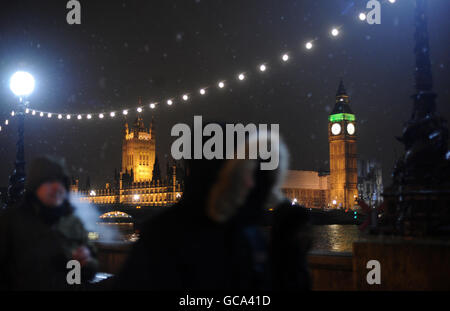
point(345, 180)
point(139, 182)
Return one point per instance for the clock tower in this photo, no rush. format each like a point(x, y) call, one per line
point(343, 156)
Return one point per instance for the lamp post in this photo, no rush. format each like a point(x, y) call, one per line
point(419, 197)
point(22, 85)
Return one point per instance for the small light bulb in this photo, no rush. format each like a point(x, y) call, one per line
point(33, 112)
point(139, 110)
point(13, 113)
point(285, 58)
point(79, 117)
point(125, 112)
point(262, 68)
point(89, 116)
point(6, 122)
point(309, 45)
point(202, 91)
point(334, 32)
point(59, 116)
point(112, 114)
point(152, 106)
point(49, 115)
point(41, 114)
point(221, 85)
point(241, 76)
point(68, 117)
point(101, 116)
point(362, 16)
point(169, 102)
point(27, 110)
point(185, 97)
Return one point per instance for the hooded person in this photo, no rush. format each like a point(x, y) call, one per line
point(41, 234)
point(261, 211)
point(196, 244)
point(291, 240)
point(278, 255)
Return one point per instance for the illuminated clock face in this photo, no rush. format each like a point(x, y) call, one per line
point(336, 129)
point(350, 128)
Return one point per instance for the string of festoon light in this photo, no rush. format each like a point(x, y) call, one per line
point(240, 77)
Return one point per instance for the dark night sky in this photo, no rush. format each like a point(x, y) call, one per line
point(157, 49)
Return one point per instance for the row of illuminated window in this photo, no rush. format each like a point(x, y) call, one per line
point(147, 191)
point(144, 160)
point(145, 198)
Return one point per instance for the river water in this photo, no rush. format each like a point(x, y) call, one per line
point(335, 238)
point(326, 238)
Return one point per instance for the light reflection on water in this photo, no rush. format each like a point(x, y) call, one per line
point(334, 238)
point(123, 232)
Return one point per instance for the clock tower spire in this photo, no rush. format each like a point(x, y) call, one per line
point(343, 156)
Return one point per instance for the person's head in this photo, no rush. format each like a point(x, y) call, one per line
point(266, 193)
point(218, 187)
point(234, 182)
point(52, 193)
point(270, 182)
point(48, 181)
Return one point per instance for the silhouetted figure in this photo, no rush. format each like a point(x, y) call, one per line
point(290, 243)
point(197, 244)
point(278, 255)
point(193, 244)
point(41, 234)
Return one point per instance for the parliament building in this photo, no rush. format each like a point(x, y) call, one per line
point(337, 188)
point(139, 182)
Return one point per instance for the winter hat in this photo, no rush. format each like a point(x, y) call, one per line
point(44, 169)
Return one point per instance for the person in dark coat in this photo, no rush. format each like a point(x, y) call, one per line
point(193, 245)
point(40, 235)
point(197, 244)
point(279, 254)
point(290, 242)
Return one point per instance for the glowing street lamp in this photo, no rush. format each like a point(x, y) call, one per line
point(22, 85)
point(334, 32)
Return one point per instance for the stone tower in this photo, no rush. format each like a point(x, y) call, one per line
point(343, 156)
point(138, 151)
